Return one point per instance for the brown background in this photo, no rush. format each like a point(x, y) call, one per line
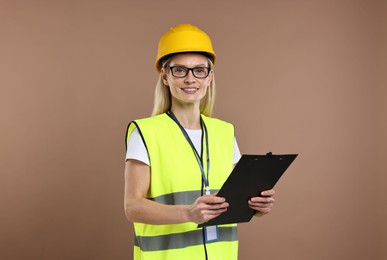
point(305, 77)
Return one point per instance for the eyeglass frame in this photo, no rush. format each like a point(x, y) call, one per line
point(190, 69)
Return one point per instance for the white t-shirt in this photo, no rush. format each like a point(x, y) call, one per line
point(136, 148)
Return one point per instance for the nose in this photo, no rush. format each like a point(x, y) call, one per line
point(190, 78)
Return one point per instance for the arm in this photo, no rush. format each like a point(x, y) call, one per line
point(140, 209)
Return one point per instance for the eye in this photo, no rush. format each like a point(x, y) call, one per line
point(201, 71)
point(179, 70)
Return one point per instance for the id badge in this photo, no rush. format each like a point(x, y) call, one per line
point(211, 234)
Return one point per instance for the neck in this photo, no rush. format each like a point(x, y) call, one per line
point(189, 117)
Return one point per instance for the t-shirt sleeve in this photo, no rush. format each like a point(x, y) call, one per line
point(136, 148)
point(237, 153)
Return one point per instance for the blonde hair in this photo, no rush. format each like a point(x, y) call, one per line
point(162, 99)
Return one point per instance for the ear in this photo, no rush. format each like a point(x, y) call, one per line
point(210, 77)
point(164, 76)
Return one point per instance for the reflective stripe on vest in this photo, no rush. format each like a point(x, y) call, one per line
point(181, 240)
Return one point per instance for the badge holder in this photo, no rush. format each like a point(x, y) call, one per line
point(211, 234)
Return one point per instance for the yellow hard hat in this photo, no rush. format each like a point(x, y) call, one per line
point(184, 38)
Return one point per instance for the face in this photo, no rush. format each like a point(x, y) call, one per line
point(187, 90)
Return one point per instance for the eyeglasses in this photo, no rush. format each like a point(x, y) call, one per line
point(198, 72)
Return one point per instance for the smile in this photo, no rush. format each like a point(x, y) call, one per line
point(189, 90)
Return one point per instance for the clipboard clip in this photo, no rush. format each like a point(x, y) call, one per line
point(269, 153)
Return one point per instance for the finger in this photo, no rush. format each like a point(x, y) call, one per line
point(268, 193)
point(211, 199)
point(217, 206)
point(215, 211)
point(263, 211)
point(262, 199)
point(210, 214)
point(261, 205)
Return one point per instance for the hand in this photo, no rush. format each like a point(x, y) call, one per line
point(206, 208)
point(264, 204)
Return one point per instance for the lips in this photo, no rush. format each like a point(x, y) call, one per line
point(190, 90)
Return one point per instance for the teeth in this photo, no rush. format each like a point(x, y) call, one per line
point(190, 89)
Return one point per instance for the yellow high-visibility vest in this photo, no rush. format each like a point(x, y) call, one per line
point(176, 179)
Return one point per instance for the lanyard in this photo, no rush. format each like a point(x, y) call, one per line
point(198, 159)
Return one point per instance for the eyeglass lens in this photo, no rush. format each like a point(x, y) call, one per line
point(181, 71)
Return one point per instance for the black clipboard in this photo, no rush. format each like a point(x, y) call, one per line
point(252, 175)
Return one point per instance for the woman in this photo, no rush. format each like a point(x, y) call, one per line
point(179, 158)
